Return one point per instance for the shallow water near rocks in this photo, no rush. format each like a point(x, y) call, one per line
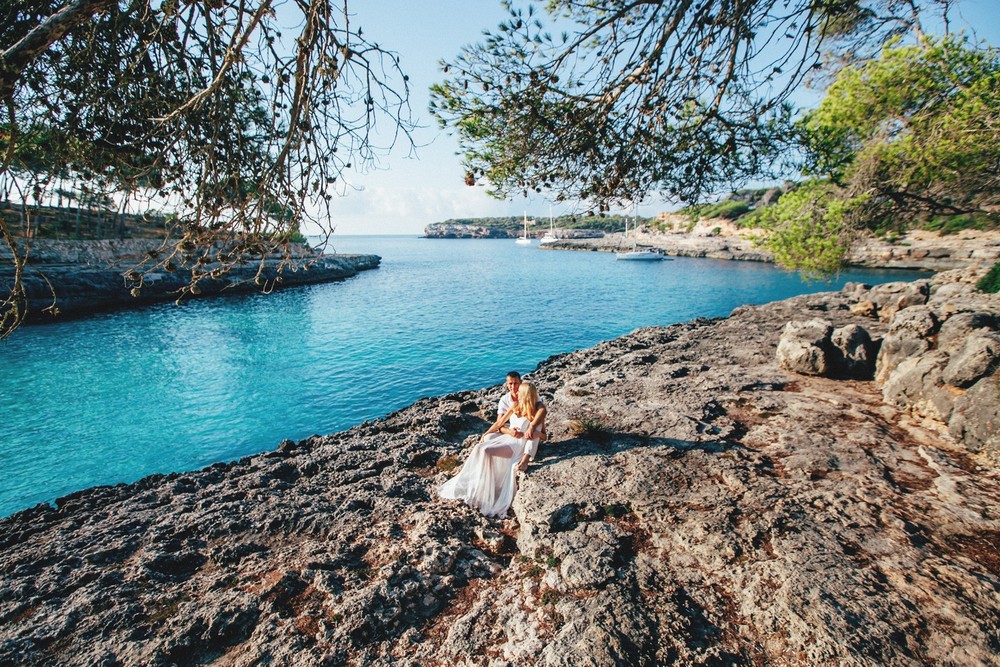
point(168, 388)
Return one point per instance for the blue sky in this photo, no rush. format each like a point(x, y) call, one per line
point(410, 192)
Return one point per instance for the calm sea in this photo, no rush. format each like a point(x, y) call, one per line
point(169, 388)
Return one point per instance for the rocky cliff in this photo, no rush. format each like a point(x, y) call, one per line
point(89, 275)
point(697, 504)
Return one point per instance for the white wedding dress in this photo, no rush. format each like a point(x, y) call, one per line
point(487, 480)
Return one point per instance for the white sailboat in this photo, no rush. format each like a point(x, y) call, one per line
point(635, 254)
point(524, 239)
point(550, 235)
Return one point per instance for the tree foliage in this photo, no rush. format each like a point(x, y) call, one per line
point(206, 106)
point(810, 228)
point(916, 130)
point(636, 96)
point(990, 283)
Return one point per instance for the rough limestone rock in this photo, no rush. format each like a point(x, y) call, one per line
point(695, 505)
point(805, 347)
point(916, 384)
point(936, 352)
point(977, 358)
point(854, 352)
point(959, 327)
point(814, 347)
point(890, 298)
point(910, 332)
point(865, 309)
point(975, 417)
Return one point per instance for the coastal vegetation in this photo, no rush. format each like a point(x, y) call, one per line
point(990, 283)
point(908, 137)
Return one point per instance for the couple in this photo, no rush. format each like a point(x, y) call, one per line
point(488, 479)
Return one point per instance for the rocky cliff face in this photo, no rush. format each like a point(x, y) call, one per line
point(697, 504)
point(89, 275)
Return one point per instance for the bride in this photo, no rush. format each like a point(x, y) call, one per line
point(487, 481)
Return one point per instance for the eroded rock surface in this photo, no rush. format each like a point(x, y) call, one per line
point(696, 505)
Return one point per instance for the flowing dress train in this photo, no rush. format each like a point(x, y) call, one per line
point(488, 479)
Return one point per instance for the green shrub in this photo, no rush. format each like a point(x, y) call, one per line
point(952, 224)
point(726, 209)
point(809, 230)
point(589, 428)
point(990, 283)
point(550, 596)
point(616, 510)
point(751, 219)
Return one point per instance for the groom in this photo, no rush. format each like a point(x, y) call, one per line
point(506, 402)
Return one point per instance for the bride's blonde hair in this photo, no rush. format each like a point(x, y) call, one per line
point(527, 401)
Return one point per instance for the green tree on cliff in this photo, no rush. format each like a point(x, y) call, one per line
point(914, 132)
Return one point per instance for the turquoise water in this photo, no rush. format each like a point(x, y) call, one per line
point(167, 388)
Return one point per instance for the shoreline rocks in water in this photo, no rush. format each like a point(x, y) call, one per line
point(697, 504)
point(88, 276)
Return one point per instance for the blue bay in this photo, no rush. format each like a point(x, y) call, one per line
point(122, 395)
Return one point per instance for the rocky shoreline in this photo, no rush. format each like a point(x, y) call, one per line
point(88, 276)
point(713, 493)
point(720, 239)
point(917, 250)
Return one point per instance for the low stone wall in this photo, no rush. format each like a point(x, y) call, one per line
point(927, 250)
